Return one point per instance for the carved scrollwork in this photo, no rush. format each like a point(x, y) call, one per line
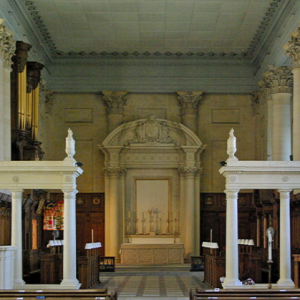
point(7, 44)
point(151, 131)
point(189, 171)
point(292, 48)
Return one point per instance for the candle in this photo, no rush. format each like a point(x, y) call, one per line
point(92, 235)
point(143, 213)
point(211, 235)
point(129, 215)
point(270, 246)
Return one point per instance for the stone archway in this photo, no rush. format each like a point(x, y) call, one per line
point(152, 149)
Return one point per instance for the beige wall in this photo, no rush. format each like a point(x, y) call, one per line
point(85, 114)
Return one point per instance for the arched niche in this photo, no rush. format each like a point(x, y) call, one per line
point(158, 151)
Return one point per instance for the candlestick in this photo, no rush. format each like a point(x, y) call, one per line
point(92, 235)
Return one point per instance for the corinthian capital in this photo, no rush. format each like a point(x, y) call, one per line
point(114, 101)
point(189, 102)
point(114, 171)
point(292, 48)
point(7, 44)
point(189, 171)
point(279, 79)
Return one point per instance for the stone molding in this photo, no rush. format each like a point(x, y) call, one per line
point(292, 48)
point(189, 102)
point(7, 44)
point(114, 101)
point(279, 79)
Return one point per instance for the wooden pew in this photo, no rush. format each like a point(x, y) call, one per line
point(100, 294)
point(245, 294)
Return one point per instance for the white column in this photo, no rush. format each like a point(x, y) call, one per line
point(285, 241)
point(7, 113)
point(69, 261)
point(16, 236)
point(269, 130)
point(292, 51)
point(2, 115)
point(197, 214)
point(232, 254)
point(296, 114)
point(282, 146)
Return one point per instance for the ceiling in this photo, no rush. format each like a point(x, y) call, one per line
point(153, 27)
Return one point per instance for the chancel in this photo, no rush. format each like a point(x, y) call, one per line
point(185, 115)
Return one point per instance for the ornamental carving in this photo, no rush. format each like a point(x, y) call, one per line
point(33, 75)
point(292, 48)
point(189, 102)
point(114, 101)
point(189, 171)
point(151, 131)
point(7, 44)
point(20, 58)
point(114, 171)
point(280, 79)
point(46, 96)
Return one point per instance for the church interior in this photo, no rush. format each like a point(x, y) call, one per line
point(149, 133)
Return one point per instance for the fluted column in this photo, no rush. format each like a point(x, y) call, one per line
point(232, 254)
point(190, 213)
point(280, 80)
point(292, 51)
point(69, 262)
point(16, 235)
point(114, 102)
point(113, 215)
point(7, 49)
point(189, 103)
point(265, 94)
point(285, 241)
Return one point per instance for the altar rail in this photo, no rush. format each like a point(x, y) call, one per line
point(242, 294)
point(100, 294)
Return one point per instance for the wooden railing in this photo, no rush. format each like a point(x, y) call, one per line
point(242, 294)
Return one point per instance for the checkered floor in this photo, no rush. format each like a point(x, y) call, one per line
point(149, 282)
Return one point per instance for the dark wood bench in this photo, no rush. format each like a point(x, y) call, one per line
point(242, 294)
point(100, 294)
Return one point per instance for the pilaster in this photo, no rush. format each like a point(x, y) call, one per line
point(189, 103)
point(114, 102)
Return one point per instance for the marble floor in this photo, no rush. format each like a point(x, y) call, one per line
point(152, 282)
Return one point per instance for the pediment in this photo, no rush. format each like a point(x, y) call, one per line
point(152, 132)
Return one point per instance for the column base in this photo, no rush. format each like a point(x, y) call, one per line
point(71, 283)
point(231, 283)
point(286, 283)
point(18, 283)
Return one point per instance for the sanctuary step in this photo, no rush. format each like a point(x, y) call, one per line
point(100, 294)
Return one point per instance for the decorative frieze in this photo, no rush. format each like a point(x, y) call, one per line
point(7, 44)
point(292, 48)
point(114, 101)
point(189, 102)
point(279, 79)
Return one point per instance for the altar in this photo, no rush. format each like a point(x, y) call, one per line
point(153, 253)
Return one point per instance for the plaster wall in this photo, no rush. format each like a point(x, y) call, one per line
point(85, 114)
